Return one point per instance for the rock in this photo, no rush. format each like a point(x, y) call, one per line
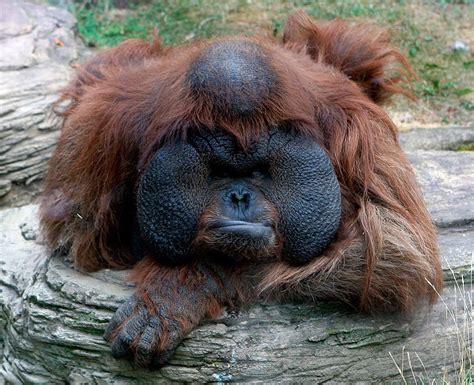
point(460, 45)
point(52, 317)
point(38, 45)
point(406, 117)
point(447, 181)
point(457, 248)
point(442, 138)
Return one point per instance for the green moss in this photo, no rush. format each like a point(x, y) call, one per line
point(466, 147)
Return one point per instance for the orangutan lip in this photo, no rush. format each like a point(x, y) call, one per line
point(242, 229)
point(230, 223)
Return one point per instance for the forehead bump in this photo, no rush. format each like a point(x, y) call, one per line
point(234, 74)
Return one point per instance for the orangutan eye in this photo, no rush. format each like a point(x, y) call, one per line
point(259, 174)
point(221, 172)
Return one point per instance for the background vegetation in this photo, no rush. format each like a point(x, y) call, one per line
point(426, 31)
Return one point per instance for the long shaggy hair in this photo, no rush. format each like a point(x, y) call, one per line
point(331, 81)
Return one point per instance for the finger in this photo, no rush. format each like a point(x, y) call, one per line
point(121, 345)
point(147, 345)
point(121, 315)
point(174, 338)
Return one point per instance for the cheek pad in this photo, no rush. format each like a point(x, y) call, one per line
point(307, 195)
point(171, 198)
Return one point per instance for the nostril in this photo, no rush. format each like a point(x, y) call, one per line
point(240, 197)
point(234, 197)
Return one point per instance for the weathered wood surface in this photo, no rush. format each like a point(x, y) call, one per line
point(37, 45)
point(53, 317)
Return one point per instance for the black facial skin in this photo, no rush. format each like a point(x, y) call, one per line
point(235, 75)
point(282, 171)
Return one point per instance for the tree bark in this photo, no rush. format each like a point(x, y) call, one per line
point(37, 47)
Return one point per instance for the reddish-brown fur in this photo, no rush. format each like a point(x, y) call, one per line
point(331, 80)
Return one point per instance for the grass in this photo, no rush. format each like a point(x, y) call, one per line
point(460, 350)
point(424, 30)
